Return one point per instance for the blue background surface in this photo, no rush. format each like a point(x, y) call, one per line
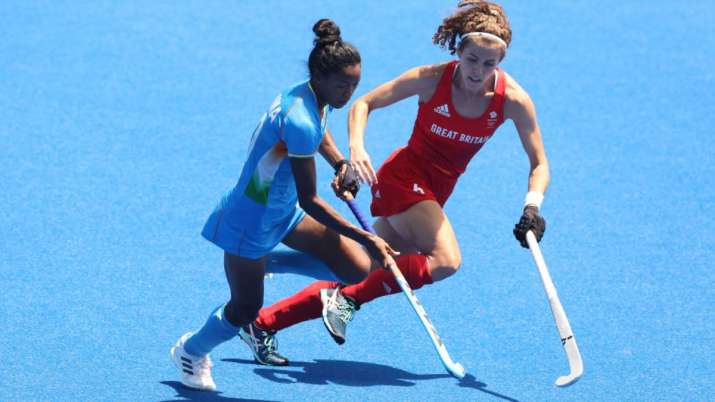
point(121, 124)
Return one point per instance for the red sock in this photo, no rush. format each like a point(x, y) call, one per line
point(302, 306)
point(381, 282)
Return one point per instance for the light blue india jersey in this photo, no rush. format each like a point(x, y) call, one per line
point(262, 209)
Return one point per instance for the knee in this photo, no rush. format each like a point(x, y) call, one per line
point(350, 270)
point(354, 276)
point(242, 313)
point(444, 266)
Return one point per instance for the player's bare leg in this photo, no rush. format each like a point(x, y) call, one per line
point(423, 228)
point(427, 229)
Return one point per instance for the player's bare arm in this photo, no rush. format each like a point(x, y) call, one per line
point(521, 110)
point(330, 152)
point(308, 198)
point(420, 81)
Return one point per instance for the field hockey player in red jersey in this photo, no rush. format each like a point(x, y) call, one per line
point(461, 103)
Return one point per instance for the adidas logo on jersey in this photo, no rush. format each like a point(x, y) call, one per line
point(443, 110)
point(493, 115)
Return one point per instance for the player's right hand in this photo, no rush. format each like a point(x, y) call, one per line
point(381, 252)
point(346, 182)
point(361, 162)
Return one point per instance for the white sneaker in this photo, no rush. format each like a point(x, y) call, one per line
point(195, 371)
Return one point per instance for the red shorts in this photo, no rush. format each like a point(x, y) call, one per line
point(406, 179)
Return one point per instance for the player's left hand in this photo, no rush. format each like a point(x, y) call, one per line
point(346, 182)
point(361, 161)
point(530, 220)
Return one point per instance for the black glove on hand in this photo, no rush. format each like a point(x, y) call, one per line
point(348, 177)
point(530, 220)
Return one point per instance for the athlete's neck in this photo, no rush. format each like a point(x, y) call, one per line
point(318, 99)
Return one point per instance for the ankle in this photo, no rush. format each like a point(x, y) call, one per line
point(354, 303)
point(261, 327)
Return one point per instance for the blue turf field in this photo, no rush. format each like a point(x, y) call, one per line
point(121, 123)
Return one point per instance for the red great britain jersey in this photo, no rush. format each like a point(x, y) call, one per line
point(443, 137)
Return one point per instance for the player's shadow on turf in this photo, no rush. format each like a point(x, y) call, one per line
point(357, 374)
point(350, 373)
point(189, 394)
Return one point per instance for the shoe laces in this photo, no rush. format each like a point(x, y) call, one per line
point(345, 307)
point(270, 342)
point(264, 339)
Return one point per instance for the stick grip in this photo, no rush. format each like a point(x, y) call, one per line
point(360, 217)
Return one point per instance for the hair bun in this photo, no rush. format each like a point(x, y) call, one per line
point(326, 32)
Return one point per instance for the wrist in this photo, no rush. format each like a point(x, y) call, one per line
point(368, 236)
point(534, 198)
point(361, 236)
point(339, 164)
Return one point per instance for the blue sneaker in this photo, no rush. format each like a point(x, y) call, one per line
point(263, 345)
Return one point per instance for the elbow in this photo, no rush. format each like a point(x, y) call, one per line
point(540, 166)
point(541, 171)
point(545, 169)
point(308, 204)
point(361, 105)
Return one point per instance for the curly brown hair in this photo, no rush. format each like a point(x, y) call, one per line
point(472, 16)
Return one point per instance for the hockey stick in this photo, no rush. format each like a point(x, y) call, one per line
point(452, 367)
point(562, 322)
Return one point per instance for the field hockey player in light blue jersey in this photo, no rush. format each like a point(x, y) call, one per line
point(275, 200)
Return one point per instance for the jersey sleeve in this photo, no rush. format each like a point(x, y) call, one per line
point(300, 135)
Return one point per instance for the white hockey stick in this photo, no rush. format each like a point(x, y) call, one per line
point(452, 367)
point(562, 322)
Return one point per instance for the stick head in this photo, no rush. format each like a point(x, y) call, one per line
point(575, 363)
point(457, 371)
point(566, 380)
